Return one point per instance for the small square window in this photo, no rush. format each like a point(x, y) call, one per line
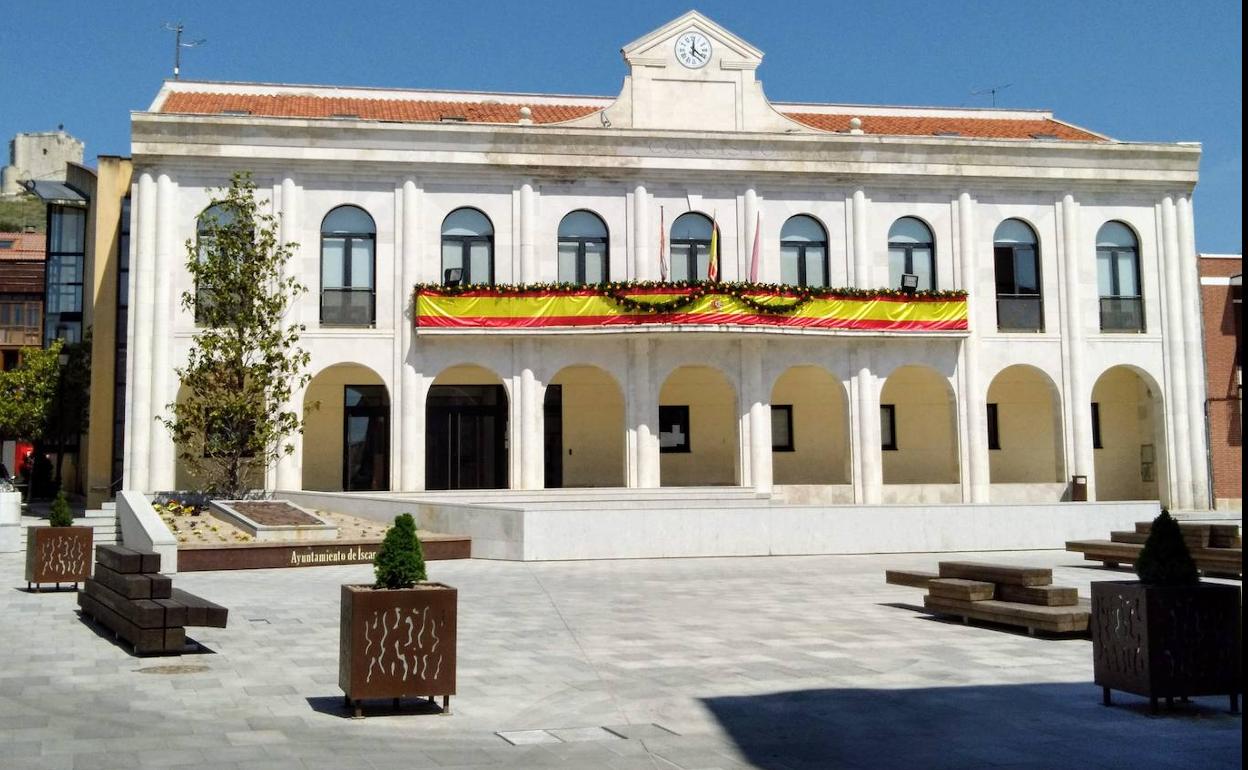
point(674, 430)
point(1096, 426)
point(888, 427)
point(994, 432)
point(782, 428)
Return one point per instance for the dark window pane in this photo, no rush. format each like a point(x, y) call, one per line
point(674, 429)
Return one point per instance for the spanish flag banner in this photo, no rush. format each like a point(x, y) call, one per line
point(712, 264)
point(521, 307)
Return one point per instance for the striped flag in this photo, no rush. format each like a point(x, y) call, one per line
point(712, 265)
point(754, 254)
point(662, 246)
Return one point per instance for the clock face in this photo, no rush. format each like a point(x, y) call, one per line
point(693, 50)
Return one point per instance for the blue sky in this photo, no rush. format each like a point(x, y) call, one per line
point(1143, 71)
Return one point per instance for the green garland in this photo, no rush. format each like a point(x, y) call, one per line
point(745, 293)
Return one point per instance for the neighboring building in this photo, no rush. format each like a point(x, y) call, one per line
point(1222, 298)
point(40, 156)
point(1077, 251)
point(88, 252)
point(21, 294)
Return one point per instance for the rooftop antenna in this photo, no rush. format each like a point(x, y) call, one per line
point(178, 45)
point(991, 90)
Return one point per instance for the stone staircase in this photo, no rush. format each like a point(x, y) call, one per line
point(103, 520)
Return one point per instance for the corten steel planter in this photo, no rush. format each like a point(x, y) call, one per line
point(1166, 641)
point(397, 643)
point(58, 555)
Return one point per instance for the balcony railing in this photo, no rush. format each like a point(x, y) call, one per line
point(546, 306)
point(347, 307)
point(1122, 314)
point(1020, 313)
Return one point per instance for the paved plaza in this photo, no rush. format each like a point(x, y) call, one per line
point(784, 663)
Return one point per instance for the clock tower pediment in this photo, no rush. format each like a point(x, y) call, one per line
point(692, 74)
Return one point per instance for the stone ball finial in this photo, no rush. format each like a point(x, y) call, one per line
point(526, 116)
point(855, 125)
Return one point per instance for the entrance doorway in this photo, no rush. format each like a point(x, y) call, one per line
point(466, 437)
point(365, 439)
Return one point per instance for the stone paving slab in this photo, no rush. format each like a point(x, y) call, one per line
point(785, 663)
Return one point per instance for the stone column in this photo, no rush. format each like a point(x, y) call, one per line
point(975, 481)
point(869, 486)
point(164, 383)
point(528, 235)
point(411, 385)
point(139, 415)
point(289, 473)
point(529, 413)
point(1193, 351)
point(1176, 403)
point(862, 254)
point(643, 417)
point(1079, 399)
point(643, 266)
point(758, 409)
point(748, 233)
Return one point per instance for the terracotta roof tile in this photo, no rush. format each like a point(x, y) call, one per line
point(25, 247)
point(399, 110)
point(975, 128)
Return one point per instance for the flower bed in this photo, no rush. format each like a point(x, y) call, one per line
point(531, 306)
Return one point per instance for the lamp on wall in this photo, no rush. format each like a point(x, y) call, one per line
point(453, 276)
point(909, 283)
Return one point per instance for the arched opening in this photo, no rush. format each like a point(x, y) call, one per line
point(584, 249)
point(1024, 428)
point(584, 427)
point(1016, 262)
point(809, 428)
point(346, 438)
point(803, 252)
point(697, 429)
point(466, 430)
point(348, 266)
point(918, 428)
point(911, 251)
point(467, 248)
point(213, 226)
point(1118, 279)
point(1126, 436)
point(691, 247)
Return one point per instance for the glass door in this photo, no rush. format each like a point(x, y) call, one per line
point(366, 439)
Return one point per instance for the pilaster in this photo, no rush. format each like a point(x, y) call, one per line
point(1176, 403)
point(1194, 352)
point(139, 418)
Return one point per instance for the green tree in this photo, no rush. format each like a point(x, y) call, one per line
point(59, 515)
point(400, 561)
point(28, 392)
point(1164, 560)
point(245, 362)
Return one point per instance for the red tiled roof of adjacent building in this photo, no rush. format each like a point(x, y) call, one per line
point(975, 128)
point(398, 110)
point(22, 247)
point(425, 110)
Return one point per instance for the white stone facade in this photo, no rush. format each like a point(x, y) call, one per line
point(746, 163)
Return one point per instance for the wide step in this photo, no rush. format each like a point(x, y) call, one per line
point(1056, 620)
point(997, 573)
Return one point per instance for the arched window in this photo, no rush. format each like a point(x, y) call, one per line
point(348, 262)
point(911, 251)
point(583, 249)
point(1016, 256)
point(211, 222)
point(1118, 279)
point(803, 252)
point(467, 247)
point(691, 247)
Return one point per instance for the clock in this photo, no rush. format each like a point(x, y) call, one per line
point(693, 50)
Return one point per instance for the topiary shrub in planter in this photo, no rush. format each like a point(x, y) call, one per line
point(398, 636)
point(1167, 635)
point(60, 552)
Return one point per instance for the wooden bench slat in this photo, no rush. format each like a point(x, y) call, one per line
point(144, 640)
point(135, 586)
point(1044, 596)
point(959, 588)
point(997, 573)
point(199, 611)
point(1134, 538)
point(912, 578)
point(1050, 619)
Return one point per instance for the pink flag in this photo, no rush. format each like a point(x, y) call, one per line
point(754, 253)
point(662, 246)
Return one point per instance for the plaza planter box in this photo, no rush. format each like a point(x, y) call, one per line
point(1166, 641)
point(398, 643)
point(58, 554)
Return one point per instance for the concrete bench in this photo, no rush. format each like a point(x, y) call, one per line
point(130, 598)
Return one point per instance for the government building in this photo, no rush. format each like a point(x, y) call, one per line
point(914, 305)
